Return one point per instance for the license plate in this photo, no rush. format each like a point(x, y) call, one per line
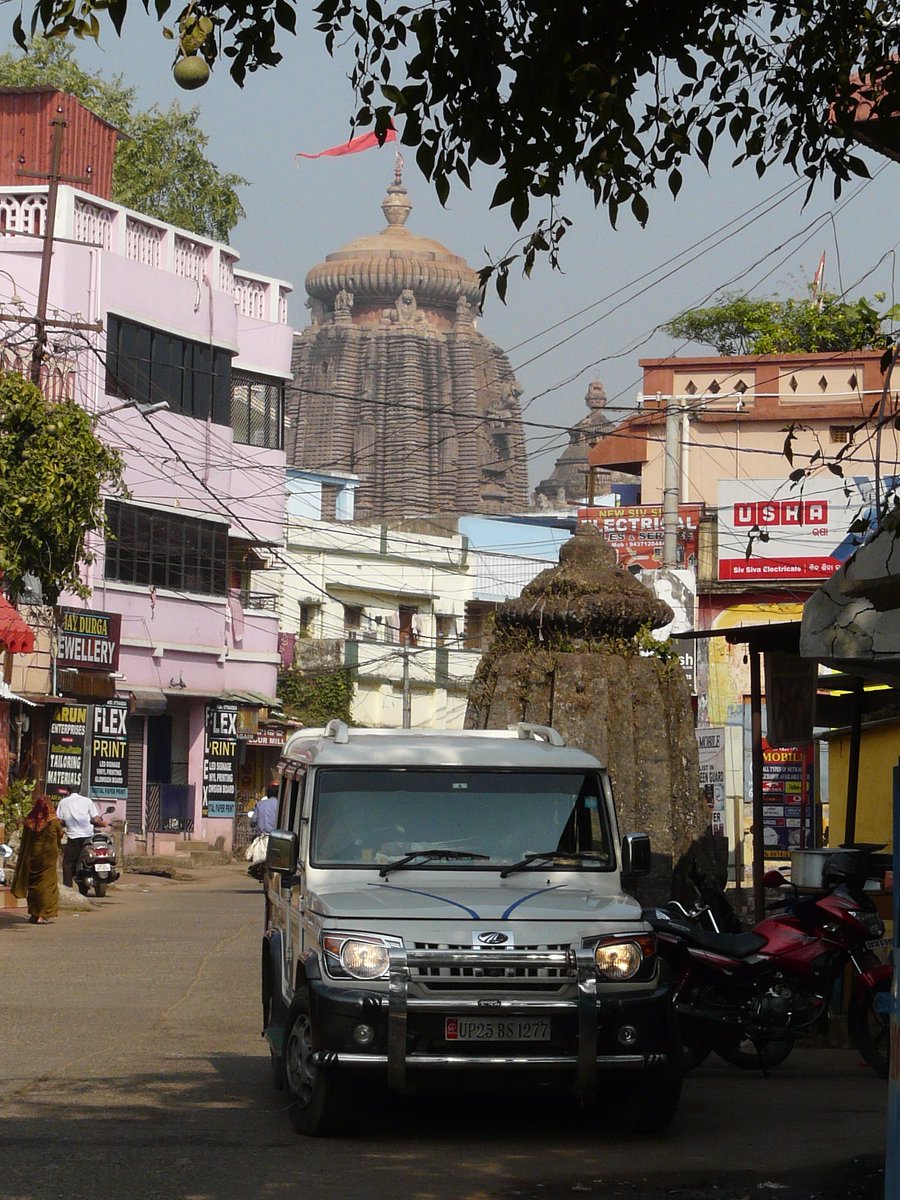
point(495, 1029)
point(102, 868)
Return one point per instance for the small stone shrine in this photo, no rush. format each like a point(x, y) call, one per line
point(574, 651)
point(394, 383)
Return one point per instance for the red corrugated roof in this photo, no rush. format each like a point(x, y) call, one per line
point(15, 634)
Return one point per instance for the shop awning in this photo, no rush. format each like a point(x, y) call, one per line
point(15, 634)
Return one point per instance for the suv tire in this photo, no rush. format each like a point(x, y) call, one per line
point(318, 1104)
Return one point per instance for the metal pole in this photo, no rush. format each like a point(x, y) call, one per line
point(853, 764)
point(756, 754)
point(892, 1157)
point(407, 698)
point(671, 484)
point(40, 318)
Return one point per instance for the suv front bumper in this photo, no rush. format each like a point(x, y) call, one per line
point(625, 1030)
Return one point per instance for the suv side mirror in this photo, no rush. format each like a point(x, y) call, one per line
point(636, 858)
point(281, 852)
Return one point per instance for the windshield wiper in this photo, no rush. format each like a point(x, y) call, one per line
point(427, 856)
point(548, 855)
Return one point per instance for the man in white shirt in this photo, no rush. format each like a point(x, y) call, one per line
point(80, 815)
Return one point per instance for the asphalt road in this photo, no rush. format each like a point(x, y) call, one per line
point(131, 1066)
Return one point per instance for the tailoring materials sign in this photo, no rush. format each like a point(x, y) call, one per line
point(636, 533)
point(109, 751)
point(771, 530)
point(88, 641)
point(220, 761)
point(65, 748)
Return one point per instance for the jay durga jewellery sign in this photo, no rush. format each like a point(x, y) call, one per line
point(86, 640)
point(771, 530)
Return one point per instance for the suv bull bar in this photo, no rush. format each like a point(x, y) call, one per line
point(575, 964)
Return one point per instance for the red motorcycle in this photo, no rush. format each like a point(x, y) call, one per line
point(750, 996)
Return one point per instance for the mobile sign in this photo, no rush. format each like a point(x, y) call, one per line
point(769, 530)
point(711, 747)
point(787, 806)
point(109, 751)
point(220, 761)
point(636, 533)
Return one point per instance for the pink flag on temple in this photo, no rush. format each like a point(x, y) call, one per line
point(365, 141)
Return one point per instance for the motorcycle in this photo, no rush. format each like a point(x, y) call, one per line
point(96, 864)
point(748, 997)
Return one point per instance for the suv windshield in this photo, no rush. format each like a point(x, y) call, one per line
point(364, 817)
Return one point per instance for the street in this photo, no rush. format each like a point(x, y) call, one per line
point(132, 1066)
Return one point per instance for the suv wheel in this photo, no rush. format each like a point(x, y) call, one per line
point(318, 1104)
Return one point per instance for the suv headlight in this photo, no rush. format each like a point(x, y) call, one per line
point(357, 955)
point(624, 958)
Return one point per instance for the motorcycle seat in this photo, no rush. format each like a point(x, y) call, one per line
point(735, 945)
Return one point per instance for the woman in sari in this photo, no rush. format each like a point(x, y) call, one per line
point(36, 866)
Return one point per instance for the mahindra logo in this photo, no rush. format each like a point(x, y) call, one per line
point(492, 939)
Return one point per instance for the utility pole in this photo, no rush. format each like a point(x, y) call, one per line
point(671, 482)
point(39, 320)
point(407, 697)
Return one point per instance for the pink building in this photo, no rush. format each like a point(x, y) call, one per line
point(185, 374)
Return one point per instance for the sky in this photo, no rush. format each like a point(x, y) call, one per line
point(594, 319)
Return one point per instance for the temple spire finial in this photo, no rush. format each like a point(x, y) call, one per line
point(396, 206)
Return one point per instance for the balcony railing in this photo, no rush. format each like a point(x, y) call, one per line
point(83, 217)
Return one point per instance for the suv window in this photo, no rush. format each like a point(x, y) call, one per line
point(365, 816)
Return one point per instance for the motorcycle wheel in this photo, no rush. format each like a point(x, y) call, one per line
point(83, 887)
point(100, 887)
point(871, 1030)
point(319, 1105)
point(746, 1055)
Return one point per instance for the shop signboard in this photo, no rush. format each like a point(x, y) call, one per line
point(88, 641)
point(109, 751)
point(711, 748)
point(220, 760)
point(65, 748)
point(770, 530)
point(787, 800)
point(268, 735)
point(636, 533)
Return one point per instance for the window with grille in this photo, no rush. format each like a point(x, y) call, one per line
point(165, 550)
point(149, 365)
point(257, 410)
point(840, 434)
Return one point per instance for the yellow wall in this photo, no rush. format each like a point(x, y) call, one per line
point(878, 755)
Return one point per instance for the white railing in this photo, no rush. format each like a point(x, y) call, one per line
point(190, 258)
point(143, 242)
point(83, 217)
point(251, 296)
point(93, 224)
point(226, 273)
point(22, 214)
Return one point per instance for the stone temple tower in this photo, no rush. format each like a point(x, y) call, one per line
point(393, 382)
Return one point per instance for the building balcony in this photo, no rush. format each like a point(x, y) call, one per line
point(87, 219)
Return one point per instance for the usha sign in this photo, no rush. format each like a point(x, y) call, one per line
point(88, 641)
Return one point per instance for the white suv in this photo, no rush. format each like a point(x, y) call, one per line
point(446, 903)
